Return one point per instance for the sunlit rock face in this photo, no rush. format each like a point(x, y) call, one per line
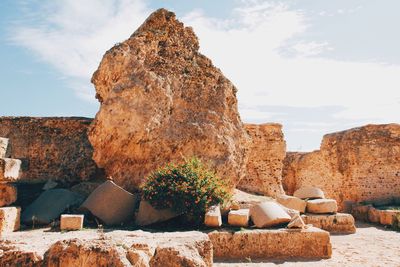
point(162, 101)
point(354, 165)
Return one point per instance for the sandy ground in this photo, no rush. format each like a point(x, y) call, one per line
point(371, 245)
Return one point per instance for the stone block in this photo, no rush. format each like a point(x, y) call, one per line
point(70, 222)
point(8, 194)
point(10, 169)
point(309, 192)
point(149, 215)
point(264, 244)
point(111, 203)
point(268, 214)
point(212, 217)
point(360, 212)
point(374, 215)
point(322, 206)
point(9, 219)
point(239, 217)
point(3, 147)
point(339, 223)
point(292, 203)
point(387, 216)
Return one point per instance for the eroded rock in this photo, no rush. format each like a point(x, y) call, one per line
point(8, 194)
point(9, 219)
point(267, 214)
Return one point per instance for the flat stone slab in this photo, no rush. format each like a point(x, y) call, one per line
point(10, 170)
point(311, 243)
point(71, 222)
point(239, 217)
point(339, 223)
point(9, 220)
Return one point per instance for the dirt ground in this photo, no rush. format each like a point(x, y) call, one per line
point(371, 245)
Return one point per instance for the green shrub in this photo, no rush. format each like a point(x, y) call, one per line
point(189, 188)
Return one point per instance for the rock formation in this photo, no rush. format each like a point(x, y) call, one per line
point(161, 101)
point(354, 165)
point(266, 153)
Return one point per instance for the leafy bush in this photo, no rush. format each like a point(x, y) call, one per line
point(189, 188)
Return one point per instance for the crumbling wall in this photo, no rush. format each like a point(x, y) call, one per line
point(50, 148)
point(356, 165)
point(266, 153)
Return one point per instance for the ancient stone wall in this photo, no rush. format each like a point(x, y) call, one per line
point(266, 153)
point(50, 148)
point(358, 164)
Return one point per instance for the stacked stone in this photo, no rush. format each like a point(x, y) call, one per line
point(10, 170)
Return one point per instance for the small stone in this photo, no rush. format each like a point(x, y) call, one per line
point(213, 217)
point(268, 214)
point(71, 222)
point(292, 203)
point(309, 192)
point(297, 222)
point(239, 217)
point(322, 206)
point(10, 169)
point(3, 147)
point(9, 219)
point(8, 194)
point(149, 215)
point(386, 216)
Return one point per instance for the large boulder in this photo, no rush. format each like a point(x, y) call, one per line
point(162, 101)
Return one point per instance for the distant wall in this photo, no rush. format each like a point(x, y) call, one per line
point(51, 148)
point(266, 152)
point(358, 164)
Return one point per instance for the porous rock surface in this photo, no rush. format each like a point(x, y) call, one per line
point(50, 148)
point(266, 153)
point(357, 164)
point(161, 101)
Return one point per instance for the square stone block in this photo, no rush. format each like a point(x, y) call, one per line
point(10, 169)
point(292, 203)
point(70, 222)
point(8, 194)
point(322, 206)
point(9, 219)
point(339, 223)
point(239, 217)
point(213, 217)
point(387, 216)
point(3, 147)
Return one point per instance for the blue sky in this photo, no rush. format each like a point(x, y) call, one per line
point(314, 66)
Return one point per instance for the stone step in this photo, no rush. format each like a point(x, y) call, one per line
point(10, 170)
point(339, 223)
point(8, 194)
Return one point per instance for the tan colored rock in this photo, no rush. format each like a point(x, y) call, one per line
point(148, 215)
point(267, 151)
point(162, 101)
point(8, 194)
point(357, 164)
point(267, 214)
point(111, 203)
point(3, 147)
point(9, 219)
point(322, 206)
point(339, 223)
point(309, 192)
point(387, 216)
point(360, 212)
point(239, 217)
point(212, 217)
point(374, 215)
point(50, 148)
point(311, 243)
point(296, 223)
point(246, 200)
point(10, 170)
point(70, 222)
point(292, 203)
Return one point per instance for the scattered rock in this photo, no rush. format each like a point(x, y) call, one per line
point(8, 194)
point(70, 222)
point(292, 203)
point(148, 215)
point(386, 216)
point(374, 215)
point(267, 214)
point(239, 217)
point(10, 170)
point(50, 205)
point(9, 219)
point(339, 223)
point(246, 200)
point(3, 147)
point(360, 212)
point(296, 223)
point(309, 192)
point(212, 217)
point(322, 206)
point(111, 203)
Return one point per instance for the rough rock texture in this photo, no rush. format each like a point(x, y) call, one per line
point(161, 101)
point(339, 223)
point(8, 194)
point(321, 206)
point(268, 214)
point(358, 164)
point(239, 217)
point(292, 203)
point(3, 147)
point(267, 151)
point(70, 222)
point(50, 148)
point(115, 248)
point(10, 170)
point(9, 219)
point(311, 243)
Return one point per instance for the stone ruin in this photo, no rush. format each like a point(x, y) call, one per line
point(162, 101)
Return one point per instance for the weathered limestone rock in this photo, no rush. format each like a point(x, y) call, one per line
point(357, 164)
point(374, 215)
point(239, 217)
point(387, 216)
point(267, 151)
point(10, 170)
point(50, 148)
point(360, 212)
point(309, 192)
point(49, 206)
point(296, 223)
point(9, 219)
point(339, 223)
point(111, 203)
point(3, 147)
point(70, 222)
point(148, 215)
point(213, 217)
point(322, 206)
point(246, 200)
point(161, 101)
point(267, 214)
point(8, 194)
point(311, 243)
point(292, 203)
